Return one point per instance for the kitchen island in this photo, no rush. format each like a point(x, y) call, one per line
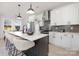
point(30, 45)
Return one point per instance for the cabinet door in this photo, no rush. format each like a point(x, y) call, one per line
point(40, 48)
point(75, 42)
point(57, 40)
point(51, 37)
point(52, 18)
point(66, 40)
point(57, 16)
point(66, 14)
point(74, 14)
point(70, 13)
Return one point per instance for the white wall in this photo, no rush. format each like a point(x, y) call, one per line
point(1, 28)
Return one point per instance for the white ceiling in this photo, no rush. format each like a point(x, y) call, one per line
point(10, 9)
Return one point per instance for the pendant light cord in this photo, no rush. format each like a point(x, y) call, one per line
point(30, 5)
point(19, 8)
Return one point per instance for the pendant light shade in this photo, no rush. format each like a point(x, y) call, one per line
point(19, 16)
point(30, 10)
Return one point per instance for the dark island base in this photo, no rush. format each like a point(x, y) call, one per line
point(41, 48)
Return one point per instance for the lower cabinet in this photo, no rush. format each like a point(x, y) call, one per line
point(69, 41)
point(58, 41)
point(62, 40)
point(51, 37)
point(75, 42)
point(66, 41)
point(55, 38)
point(41, 48)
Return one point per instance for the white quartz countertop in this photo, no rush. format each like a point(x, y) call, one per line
point(17, 38)
point(33, 37)
point(23, 44)
point(19, 43)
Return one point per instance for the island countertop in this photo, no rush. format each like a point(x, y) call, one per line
point(36, 44)
point(33, 37)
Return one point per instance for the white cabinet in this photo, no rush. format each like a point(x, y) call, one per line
point(58, 41)
point(66, 39)
point(63, 40)
point(65, 15)
point(75, 15)
point(71, 13)
point(52, 18)
point(56, 17)
point(69, 41)
point(55, 38)
point(51, 37)
point(75, 42)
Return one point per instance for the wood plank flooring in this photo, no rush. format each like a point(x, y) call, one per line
point(57, 51)
point(53, 50)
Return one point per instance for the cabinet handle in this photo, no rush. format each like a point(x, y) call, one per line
point(53, 36)
point(72, 36)
point(61, 37)
point(65, 35)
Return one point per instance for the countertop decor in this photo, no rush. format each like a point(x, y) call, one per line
point(30, 28)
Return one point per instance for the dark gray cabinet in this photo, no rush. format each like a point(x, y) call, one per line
point(40, 49)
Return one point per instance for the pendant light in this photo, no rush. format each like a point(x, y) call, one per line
point(19, 16)
point(30, 10)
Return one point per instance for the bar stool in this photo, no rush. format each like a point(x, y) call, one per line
point(11, 50)
point(18, 53)
point(7, 44)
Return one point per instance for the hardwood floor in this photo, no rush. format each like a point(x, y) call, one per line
point(53, 50)
point(3, 51)
point(57, 51)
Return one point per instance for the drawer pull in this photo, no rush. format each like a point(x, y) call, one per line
point(61, 37)
point(53, 36)
point(72, 36)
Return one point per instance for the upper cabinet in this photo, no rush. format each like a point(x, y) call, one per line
point(56, 17)
point(66, 15)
